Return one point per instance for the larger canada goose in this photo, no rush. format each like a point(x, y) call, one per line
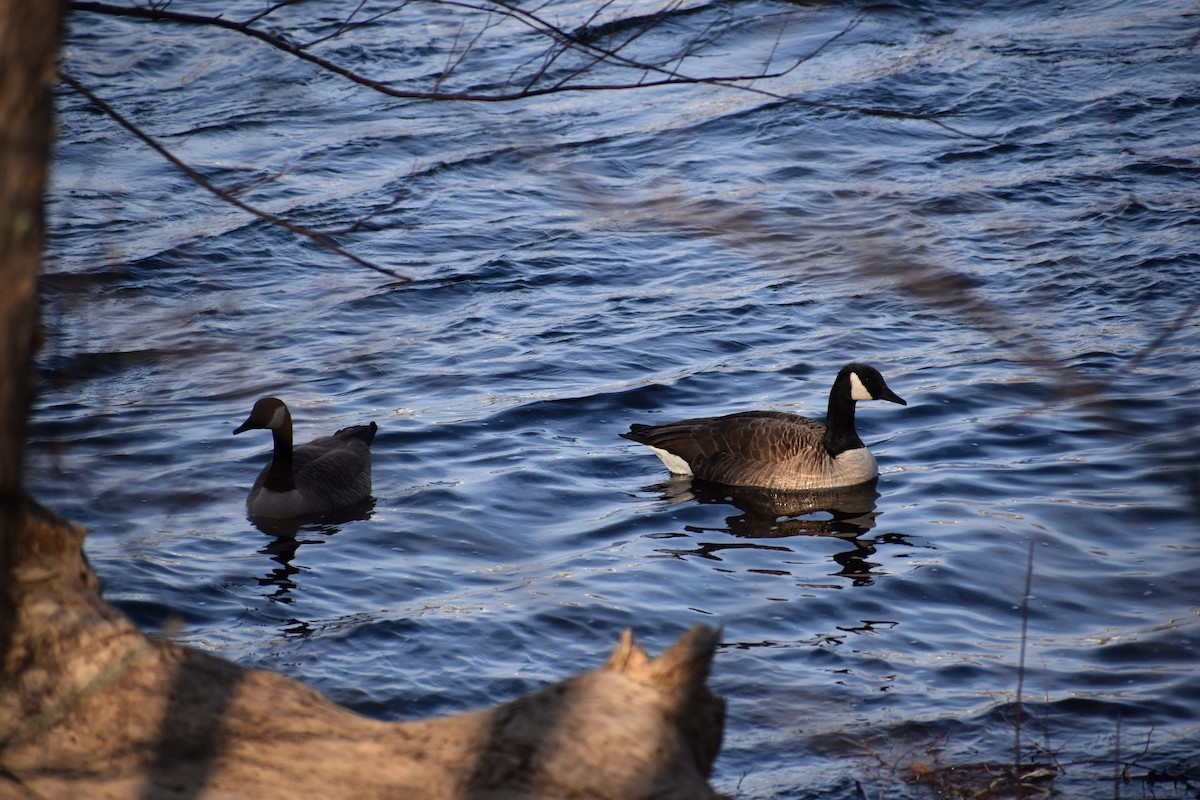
point(321, 476)
point(772, 449)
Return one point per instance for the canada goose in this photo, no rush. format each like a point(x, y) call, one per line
point(323, 475)
point(772, 449)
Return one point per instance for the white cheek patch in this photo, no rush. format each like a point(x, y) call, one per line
point(276, 419)
point(857, 390)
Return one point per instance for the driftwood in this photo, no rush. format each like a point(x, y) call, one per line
point(92, 708)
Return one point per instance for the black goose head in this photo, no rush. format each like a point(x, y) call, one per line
point(865, 383)
point(268, 413)
point(855, 382)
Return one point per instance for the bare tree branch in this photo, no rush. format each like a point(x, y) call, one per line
point(318, 237)
point(554, 71)
point(582, 42)
point(738, 82)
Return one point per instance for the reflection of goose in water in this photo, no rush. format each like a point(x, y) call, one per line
point(288, 534)
point(772, 449)
point(846, 513)
point(773, 514)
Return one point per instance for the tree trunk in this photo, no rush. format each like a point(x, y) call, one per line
point(30, 33)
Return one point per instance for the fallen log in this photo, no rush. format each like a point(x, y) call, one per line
point(90, 707)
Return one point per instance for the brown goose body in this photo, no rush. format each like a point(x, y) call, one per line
point(317, 477)
point(773, 449)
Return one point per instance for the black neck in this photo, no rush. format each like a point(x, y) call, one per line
point(840, 434)
point(279, 478)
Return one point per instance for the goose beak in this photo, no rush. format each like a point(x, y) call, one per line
point(892, 397)
point(245, 426)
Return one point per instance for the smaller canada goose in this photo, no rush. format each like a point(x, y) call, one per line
point(773, 449)
point(321, 476)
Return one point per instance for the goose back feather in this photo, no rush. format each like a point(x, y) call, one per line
point(317, 477)
point(774, 449)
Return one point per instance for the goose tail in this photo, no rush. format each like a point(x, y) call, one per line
point(364, 433)
point(636, 433)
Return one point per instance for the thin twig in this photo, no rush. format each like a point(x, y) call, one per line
point(1118, 769)
point(671, 77)
point(315, 236)
point(1021, 662)
point(732, 82)
point(269, 10)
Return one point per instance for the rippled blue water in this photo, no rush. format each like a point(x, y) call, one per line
point(1025, 278)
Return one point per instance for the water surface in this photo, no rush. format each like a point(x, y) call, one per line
point(579, 262)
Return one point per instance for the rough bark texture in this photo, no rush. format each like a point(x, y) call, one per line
point(30, 33)
point(91, 708)
point(29, 38)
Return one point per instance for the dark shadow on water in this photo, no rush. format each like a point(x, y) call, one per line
point(846, 513)
point(288, 534)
